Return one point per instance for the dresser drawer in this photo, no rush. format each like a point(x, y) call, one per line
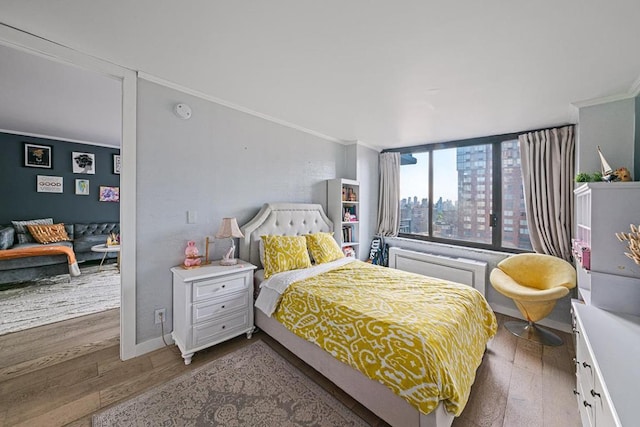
point(211, 309)
point(210, 288)
point(216, 331)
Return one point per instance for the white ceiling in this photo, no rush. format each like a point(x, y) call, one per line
point(385, 73)
point(44, 97)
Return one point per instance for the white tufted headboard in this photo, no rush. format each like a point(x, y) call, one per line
point(282, 219)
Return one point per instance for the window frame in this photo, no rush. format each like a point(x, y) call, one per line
point(495, 217)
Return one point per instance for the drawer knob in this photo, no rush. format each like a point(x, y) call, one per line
point(594, 394)
point(576, 392)
point(584, 402)
point(586, 365)
point(223, 286)
point(223, 326)
point(222, 306)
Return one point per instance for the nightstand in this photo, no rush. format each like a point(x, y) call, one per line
point(211, 304)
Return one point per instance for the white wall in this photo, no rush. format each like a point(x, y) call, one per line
point(636, 150)
point(612, 127)
point(219, 163)
point(367, 167)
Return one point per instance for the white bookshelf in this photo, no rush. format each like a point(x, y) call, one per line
point(343, 196)
point(603, 209)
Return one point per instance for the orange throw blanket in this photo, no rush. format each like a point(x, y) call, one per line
point(74, 270)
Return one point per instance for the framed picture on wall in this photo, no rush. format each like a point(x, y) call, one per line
point(109, 194)
point(116, 164)
point(82, 187)
point(83, 162)
point(49, 184)
point(38, 156)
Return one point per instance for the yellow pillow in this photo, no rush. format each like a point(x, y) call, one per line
point(323, 247)
point(284, 253)
point(48, 233)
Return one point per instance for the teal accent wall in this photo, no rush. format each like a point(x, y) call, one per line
point(19, 199)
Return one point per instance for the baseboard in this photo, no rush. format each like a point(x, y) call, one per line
point(152, 345)
point(549, 323)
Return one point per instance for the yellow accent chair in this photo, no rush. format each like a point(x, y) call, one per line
point(535, 282)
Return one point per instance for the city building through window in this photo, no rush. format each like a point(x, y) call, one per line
point(466, 192)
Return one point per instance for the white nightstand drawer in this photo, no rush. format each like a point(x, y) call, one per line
point(208, 310)
point(210, 288)
point(220, 329)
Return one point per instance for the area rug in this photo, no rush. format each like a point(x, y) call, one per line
point(252, 386)
point(57, 298)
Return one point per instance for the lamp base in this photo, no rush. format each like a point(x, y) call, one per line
point(228, 261)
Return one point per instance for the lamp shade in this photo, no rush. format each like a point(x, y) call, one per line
point(229, 228)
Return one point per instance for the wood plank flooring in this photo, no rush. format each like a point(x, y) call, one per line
point(61, 374)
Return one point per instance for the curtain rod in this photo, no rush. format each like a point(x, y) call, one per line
point(465, 142)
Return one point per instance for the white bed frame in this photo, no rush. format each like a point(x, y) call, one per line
point(292, 219)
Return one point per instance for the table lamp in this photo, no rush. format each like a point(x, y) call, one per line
point(229, 229)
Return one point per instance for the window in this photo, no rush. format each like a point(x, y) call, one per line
point(445, 185)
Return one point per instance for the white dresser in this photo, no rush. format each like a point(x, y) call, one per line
point(211, 304)
point(607, 366)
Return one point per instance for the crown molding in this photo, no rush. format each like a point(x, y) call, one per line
point(198, 94)
point(57, 138)
point(603, 100)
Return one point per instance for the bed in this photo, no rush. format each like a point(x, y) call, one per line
point(301, 219)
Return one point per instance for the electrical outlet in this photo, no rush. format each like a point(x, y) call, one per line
point(160, 315)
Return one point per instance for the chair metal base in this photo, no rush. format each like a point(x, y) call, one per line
point(532, 332)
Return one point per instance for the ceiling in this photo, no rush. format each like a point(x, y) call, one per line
point(53, 99)
point(388, 74)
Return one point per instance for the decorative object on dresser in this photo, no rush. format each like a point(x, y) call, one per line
point(535, 282)
point(607, 278)
point(343, 207)
point(229, 230)
point(633, 240)
point(192, 258)
point(607, 369)
point(211, 304)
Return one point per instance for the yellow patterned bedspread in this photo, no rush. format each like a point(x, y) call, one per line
point(422, 337)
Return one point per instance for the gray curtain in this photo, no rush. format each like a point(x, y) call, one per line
point(547, 158)
point(389, 197)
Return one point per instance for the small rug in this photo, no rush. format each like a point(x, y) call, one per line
point(43, 301)
point(252, 386)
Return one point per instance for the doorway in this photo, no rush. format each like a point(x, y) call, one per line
point(43, 49)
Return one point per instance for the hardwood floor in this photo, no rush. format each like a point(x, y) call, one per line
point(61, 374)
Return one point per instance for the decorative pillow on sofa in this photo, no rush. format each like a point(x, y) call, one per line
point(323, 247)
point(284, 253)
point(23, 233)
point(6, 237)
point(48, 233)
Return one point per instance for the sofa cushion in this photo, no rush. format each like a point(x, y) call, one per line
point(23, 233)
point(7, 235)
point(44, 233)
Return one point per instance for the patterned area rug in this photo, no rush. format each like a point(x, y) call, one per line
point(253, 386)
point(57, 298)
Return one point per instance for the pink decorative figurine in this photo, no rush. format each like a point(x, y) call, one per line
point(192, 258)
